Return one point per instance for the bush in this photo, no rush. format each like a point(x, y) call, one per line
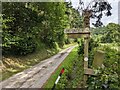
point(109, 75)
point(21, 46)
point(81, 47)
point(75, 40)
point(67, 41)
point(73, 74)
point(56, 46)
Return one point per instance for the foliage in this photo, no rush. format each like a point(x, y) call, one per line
point(18, 46)
point(112, 34)
point(98, 8)
point(24, 24)
point(75, 19)
point(81, 46)
point(72, 76)
point(13, 65)
point(93, 44)
point(107, 34)
point(17, 25)
point(91, 49)
point(107, 77)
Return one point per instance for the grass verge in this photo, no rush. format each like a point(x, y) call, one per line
point(72, 75)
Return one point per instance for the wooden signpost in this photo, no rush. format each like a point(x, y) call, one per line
point(86, 35)
point(99, 55)
point(75, 33)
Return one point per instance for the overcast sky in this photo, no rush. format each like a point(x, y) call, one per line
point(105, 20)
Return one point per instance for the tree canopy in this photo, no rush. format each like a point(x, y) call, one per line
point(25, 23)
point(107, 34)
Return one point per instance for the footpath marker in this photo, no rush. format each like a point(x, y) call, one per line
point(85, 33)
point(62, 71)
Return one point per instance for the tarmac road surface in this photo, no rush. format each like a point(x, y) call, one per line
point(36, 76)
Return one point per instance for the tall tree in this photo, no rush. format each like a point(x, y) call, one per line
point(24, 23)
point(95, 9)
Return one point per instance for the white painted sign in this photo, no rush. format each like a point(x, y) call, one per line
point(86, 59)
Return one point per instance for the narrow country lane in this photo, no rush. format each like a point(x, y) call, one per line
point(37, 75)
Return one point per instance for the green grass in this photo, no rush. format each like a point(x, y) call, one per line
point(67, 64)
point(68, 45)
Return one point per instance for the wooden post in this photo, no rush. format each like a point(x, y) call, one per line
point(86, 45)
point(86, 35)
point(86, 53)
point(98, 58)
point(86, 21)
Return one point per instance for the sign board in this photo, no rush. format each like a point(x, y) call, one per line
point(88, 71)
point(76, 33)
point(98, 59)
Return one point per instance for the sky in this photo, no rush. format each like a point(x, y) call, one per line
point(113, 18)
